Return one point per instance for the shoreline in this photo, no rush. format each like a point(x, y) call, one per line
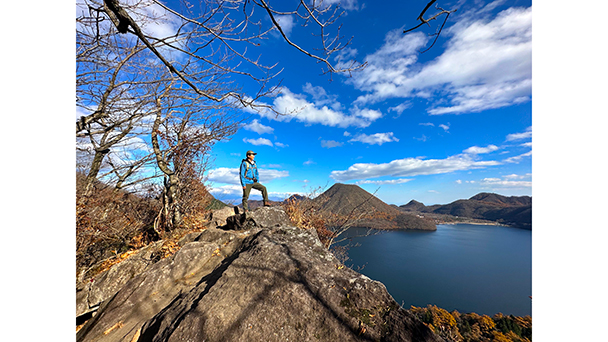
point(477, 224)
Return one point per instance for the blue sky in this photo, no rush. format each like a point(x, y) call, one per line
point(435, 126)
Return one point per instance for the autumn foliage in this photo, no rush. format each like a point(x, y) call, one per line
point(305, 214)
point(111, 222)
point(457, 327)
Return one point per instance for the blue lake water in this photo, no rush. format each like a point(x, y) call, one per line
point(469, 268)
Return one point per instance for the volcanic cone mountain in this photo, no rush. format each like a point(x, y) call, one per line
point(349, 200)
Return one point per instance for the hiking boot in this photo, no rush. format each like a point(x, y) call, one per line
point(266, 204)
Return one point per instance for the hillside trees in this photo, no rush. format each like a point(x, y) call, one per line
point(455, 326)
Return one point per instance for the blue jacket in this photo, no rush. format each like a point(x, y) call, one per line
point(249, 172)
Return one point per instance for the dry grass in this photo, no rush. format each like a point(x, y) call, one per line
point(305, 214)
point(111, 224)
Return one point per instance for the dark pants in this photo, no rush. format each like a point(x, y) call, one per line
point(247, 190)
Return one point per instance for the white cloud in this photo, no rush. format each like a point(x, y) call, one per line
point(226, 190)
point(286, 22)
point(445, 127)
point(400, 107)
point(309, 162)
point(258, 141)
point(487, 64)
point(518, 158)
point(278, 144)
point(481, 150)
point(422, 138)
point(409, 167)
point(330, 143)
point(266, 175)
point(298, 108)
point(497, 182)
point(382, 182)
point(369, 114)
point(344, 4)
point(321, 97)
point(374, 139)
point(225, 175)
point(257, 127)
point(520, 136)
point(516, 176)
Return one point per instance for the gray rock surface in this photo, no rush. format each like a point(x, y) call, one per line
point(91, 292)
point(261, 217)
point(269, 283)
point(219, 216)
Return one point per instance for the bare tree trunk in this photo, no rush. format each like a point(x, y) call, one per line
point(171, 205)
point(94, 170)
point(170, 214)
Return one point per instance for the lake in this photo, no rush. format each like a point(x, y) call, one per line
point(469, 268)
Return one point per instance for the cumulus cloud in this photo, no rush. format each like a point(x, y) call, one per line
point(502, 77)
point(520, 136)
point(256, 126)
point(258, 141)
point(383, 182)
point(505, 183)
point(286, 22)
point(374, 139)
point(481, 150)
point(344, 4)
point(400, 107)
point(409, 167)
point(330, 143)
point(518, 158)
point(298, 108)
point(368, 114)
point(321, 97)
point(226, 190)
point(225, 175)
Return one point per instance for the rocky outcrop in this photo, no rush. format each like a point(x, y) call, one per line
point(266, 217)
point(92, 291)
point(218, 217)
point(268, 281)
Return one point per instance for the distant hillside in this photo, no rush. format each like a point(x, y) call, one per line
point(413, 205)
point(502, 200)
point(514, 211)
point(343, 199)
point(216, 204)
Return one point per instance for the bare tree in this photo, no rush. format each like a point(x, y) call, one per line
point(231, 26)
point(115, 75)
point(185, 128)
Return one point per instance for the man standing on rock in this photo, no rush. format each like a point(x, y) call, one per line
point(249, 179)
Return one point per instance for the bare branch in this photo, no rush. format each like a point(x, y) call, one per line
point(426, 21)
